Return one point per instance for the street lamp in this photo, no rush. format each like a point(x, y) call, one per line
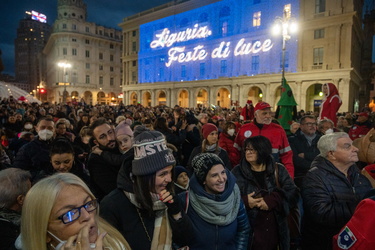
point(286, 26)
point(64, 65)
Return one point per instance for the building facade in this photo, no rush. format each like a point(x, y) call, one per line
point(204, 52)
point(30, 66)
point(93, 53)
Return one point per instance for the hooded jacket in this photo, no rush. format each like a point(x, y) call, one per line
point(330, 104)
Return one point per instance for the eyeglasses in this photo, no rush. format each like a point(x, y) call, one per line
point(75, 213)
point(250, 150)
point(310, 123)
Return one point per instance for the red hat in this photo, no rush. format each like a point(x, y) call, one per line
point(249, 102)
point(207, 129)
point(363, 114)
point(215, 117)
point(261, 106)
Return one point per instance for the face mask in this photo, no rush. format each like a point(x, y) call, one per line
point(329, 131)
point(62, 242)
point(45, 134)
point(231, 132)
point(28, 126)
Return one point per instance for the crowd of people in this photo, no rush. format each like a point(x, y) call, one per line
point(78, 176)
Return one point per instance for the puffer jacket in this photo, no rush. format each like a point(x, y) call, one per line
point(209, 236)
point(329, 200)
point(226, 142)
point(288, 193)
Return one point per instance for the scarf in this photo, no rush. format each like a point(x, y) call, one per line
point(219, 213)
point(162, 237)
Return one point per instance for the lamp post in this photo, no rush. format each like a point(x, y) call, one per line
point(64, 65)
point(285, 25)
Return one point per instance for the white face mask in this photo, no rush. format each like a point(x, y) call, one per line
point(62, 242)
point(45, 134)
point(329, 131)
point(28, 126)
point(231, 132)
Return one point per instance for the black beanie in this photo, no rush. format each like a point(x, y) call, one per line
point(151, 153)
point(202, 164)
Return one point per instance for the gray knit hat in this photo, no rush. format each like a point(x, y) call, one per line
point(202, 164)
point(151, 153)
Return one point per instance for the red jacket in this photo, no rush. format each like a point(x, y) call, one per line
point(281, 149)
point(359, 129)
point(331, 104)
point(358, 233)
point(225, 142)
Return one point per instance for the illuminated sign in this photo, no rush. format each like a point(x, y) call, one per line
point(37, 16)
point(217, 40)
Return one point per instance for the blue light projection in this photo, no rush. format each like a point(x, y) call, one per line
point(230, 38)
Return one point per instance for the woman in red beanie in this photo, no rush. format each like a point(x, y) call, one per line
point(210, 145)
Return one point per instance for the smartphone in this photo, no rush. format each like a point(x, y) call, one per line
point(259, 193)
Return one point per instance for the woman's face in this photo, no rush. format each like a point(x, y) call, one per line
point(61, 129)
point(182, 179)
point(71, 197)
point(62, 163)
point(125, 142)
point(163, 178)
point(212, 138)
point(250, 154)
point(215, 180)
point(325, 89)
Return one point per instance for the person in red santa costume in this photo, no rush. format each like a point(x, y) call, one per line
point(331, 102)
point(247, 113)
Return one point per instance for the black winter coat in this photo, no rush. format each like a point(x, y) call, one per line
point(299, 144)
point(117, 209)
point(288, 193)
point(329, 201)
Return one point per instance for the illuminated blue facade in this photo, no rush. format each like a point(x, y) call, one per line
point(230, 38)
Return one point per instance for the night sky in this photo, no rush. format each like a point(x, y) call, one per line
point(108, 13)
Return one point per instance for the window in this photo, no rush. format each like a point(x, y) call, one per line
point(256, 19)
point(183, 70)
point(87, 29)
point(64, 26)
point(100, 67)
point(134, 76)
point(111, 46)
point(319, 33)
point(74, 27)
point(134, 63)
point(100, 56)
point(134, 46)
point(255, 63)
point(111, 69)
point(111, 81)
point(65, 51)
point(74, 39)
point(202, 69)
point(74, 77)
point(224, 27)
point(74, 52)
point(111, 58)
point(87, 78)
point(134, 33)
point(87, 66)
point(101, 80)
point(223, 66)
point(87, 53)
point(318, 56)
point(320, 6)
point(87, 41)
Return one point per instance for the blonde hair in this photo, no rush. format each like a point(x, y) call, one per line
point(37, 209)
